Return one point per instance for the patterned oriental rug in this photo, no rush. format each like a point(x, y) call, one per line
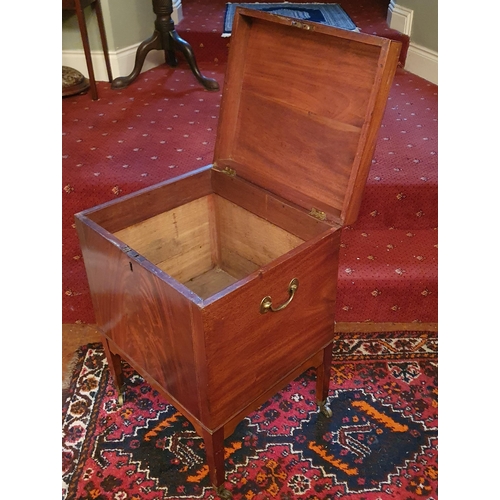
point(331, 14)
point(381, 442)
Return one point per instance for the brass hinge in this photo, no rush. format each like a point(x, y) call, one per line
point(228, 171)
point(317, 214)
point(304, 26)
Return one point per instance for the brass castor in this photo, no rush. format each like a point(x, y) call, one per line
point(223, 493)
point(121, 396)
point(325, 409)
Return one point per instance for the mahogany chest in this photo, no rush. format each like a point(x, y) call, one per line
point(219, 286)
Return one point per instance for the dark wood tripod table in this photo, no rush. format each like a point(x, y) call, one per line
point(164, 38)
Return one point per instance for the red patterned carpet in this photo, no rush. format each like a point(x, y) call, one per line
point(380, 443)
point(165, 123)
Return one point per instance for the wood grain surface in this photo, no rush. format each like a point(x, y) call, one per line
point(320, 100)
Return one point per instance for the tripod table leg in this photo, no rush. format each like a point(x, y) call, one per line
point(152, 43)
point(186, 49)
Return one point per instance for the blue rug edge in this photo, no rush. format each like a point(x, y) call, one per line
point(348, 23)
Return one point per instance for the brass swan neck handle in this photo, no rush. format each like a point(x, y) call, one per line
point(266, 304)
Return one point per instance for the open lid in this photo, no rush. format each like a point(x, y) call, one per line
point(301, 108)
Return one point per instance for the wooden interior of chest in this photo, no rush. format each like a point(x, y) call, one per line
point(209, 242)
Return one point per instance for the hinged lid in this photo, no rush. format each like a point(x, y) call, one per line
point(301, 108)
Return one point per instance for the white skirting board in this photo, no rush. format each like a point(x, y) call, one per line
point(420, 61)
point(122, 61)
point(399, 18)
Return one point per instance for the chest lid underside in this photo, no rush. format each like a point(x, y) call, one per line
point(301, 108)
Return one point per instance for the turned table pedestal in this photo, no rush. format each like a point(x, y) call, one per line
point(165, 38)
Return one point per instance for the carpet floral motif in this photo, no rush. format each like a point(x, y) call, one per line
point(380, 443)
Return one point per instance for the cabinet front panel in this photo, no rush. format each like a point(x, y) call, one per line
point(249, 352)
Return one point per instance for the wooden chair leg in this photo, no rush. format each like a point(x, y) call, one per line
point(86, 48)
point(102, 31)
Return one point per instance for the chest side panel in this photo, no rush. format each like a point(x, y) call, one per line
point(249, 352)
point(144, 316)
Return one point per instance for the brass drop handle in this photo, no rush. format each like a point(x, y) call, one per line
point(267, 304)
